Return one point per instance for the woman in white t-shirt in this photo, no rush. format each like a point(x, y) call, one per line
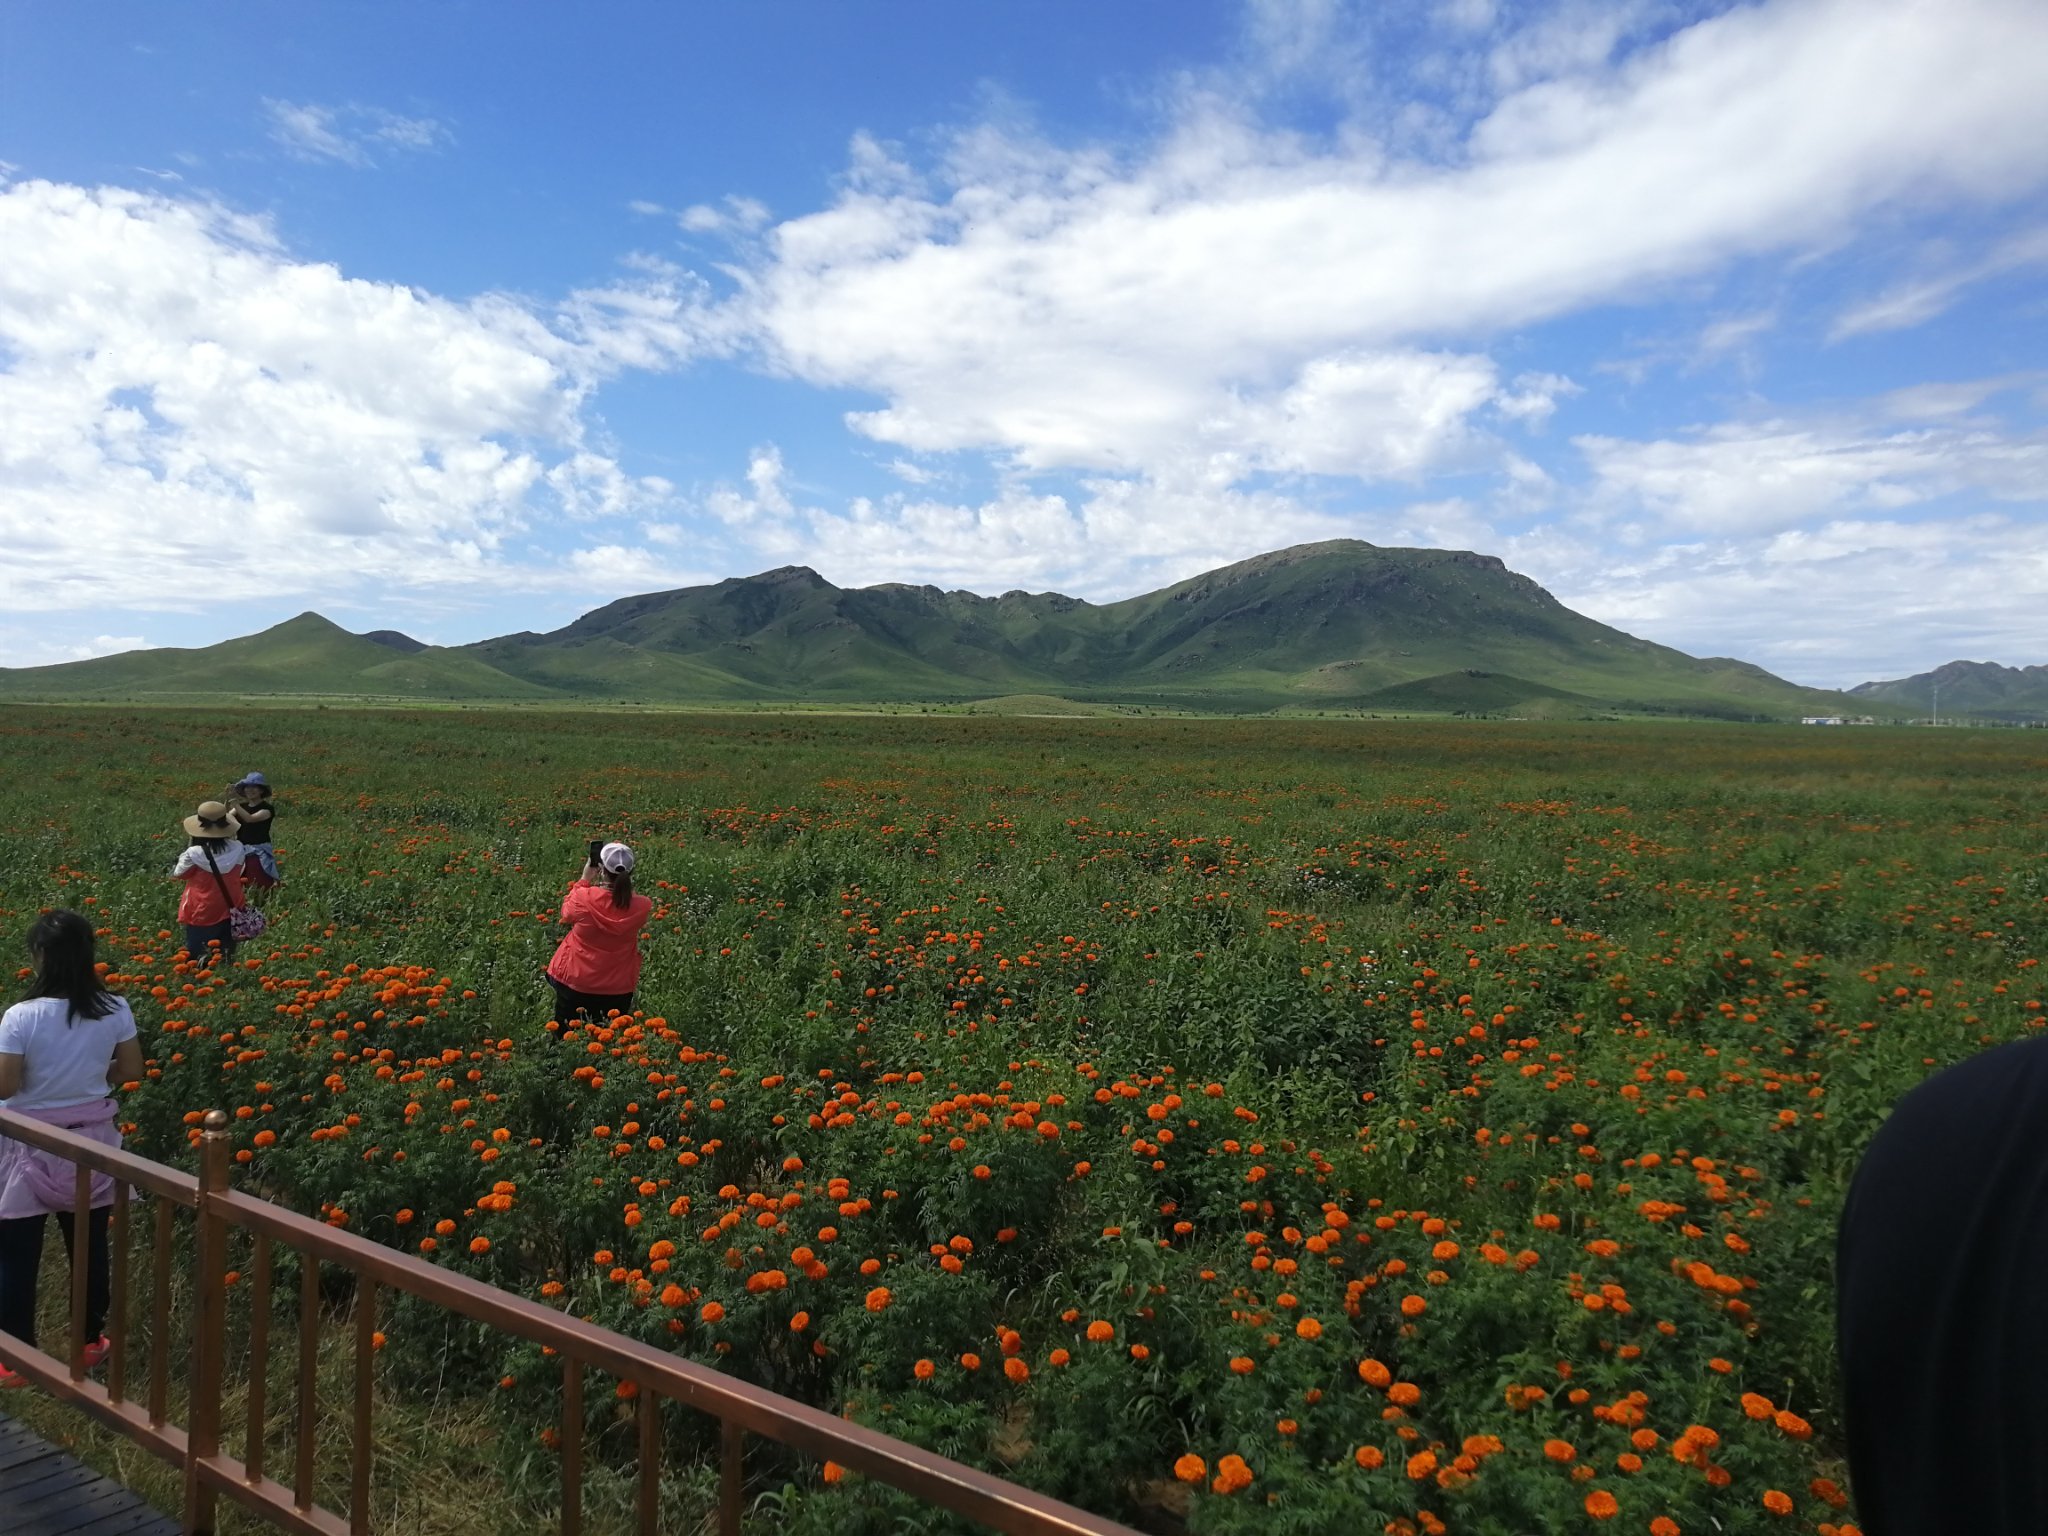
point(63, 1049)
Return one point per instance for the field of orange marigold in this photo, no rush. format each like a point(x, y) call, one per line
point(1290, 1127)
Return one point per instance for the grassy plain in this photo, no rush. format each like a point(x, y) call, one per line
point(1445, 1120)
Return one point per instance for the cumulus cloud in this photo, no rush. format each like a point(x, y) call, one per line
point(1773, 474)
point(177, 386)
point(1104, 538)
point(1875, 597)
point(1877, 540)
point(1071, 310)
point(347, 135)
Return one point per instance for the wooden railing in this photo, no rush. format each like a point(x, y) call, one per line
point(209, 1472)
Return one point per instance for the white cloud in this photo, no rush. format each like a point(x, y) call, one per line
point(1111, 537)
point(1875, 598)
point(603, 571)
point(1921, 299)
point(733, 216)
point(1067, 310)
point(1877, 540)
point(764, 498)
point(108, 645)
point(1739, 477)
point(175, 384)
point(346, 134)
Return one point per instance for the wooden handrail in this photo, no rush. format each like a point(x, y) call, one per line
point(126, 1167)
point(740, 1407)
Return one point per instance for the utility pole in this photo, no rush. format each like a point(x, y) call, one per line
point(1937, 701)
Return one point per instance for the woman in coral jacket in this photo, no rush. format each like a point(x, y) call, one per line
point(211, 870)
point(596, 968)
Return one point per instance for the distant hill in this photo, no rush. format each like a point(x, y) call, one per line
point(1320, 626)
point(305, 655)
point(1474, 692)
point(1980, 689)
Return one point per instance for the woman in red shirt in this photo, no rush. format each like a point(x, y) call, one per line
point(211, 869)
point(596, 968)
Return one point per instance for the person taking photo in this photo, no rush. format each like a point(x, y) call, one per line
point(596, 968)
point(211, 869)
point(64, 1048)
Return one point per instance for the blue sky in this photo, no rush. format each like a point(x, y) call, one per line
point(1729, 324)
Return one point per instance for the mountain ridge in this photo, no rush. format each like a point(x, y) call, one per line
point(1986, 689)
point(1316, 626)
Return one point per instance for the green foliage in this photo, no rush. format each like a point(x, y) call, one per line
point(1075, 1096)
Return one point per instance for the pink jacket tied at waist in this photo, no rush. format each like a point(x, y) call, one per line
point(38, 1183)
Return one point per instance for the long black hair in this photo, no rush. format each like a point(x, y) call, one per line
point(61, 944)
point(620, 882)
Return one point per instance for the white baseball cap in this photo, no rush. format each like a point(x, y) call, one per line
point(617, 858)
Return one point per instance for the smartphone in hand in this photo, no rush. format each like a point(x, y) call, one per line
point(596, 848)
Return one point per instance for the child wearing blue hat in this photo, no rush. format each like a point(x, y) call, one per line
point(250, 803)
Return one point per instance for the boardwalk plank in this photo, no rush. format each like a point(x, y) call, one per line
point(44, 1492)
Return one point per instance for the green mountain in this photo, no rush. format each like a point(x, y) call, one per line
point(1980, 689)
point(308, 655)
point(1337, 625)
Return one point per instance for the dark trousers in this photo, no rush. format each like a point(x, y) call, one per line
point(21, 1259)
point(569, 1002)
point(196, 939)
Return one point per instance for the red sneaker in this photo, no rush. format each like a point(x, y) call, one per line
point(10, 1378)
point(97, 1351)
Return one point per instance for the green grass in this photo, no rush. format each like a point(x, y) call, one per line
point(1117, 912)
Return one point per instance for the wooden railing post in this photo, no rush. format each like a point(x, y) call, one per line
point(209, 1331)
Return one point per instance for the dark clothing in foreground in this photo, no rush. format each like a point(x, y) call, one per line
point(1942, 1305)
point(596, 1006)
point(21, 1260)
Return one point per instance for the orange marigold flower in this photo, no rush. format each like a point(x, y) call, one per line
point(1757, 1406)
point(970, 1361)
point(674, 1296)
point(1560, 1450)
point(1016, 1369)
point(1602, 1505)
point(834, 1472)
point(711, 1312)
point(923, 1370)
point(479, 1245)
point(1792, 1424)
point(1100, 1332)
point(878, 1298)
point(1413, 1306)
point(1664, 1525)
point(1373, 1374)
point(1191, 1469)
point(1231, 1475)
point(1369, 1457)
point(1421, 1465)
point(1243, 1365)
point(1308, 1328)
point(1059, 1357)
point(1404, 1393)
point(1777, 1502)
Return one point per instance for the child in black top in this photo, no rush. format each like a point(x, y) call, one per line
point(250, 804)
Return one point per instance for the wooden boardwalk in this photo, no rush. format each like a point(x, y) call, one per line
point(43, 1492)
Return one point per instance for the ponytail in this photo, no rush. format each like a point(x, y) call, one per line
point(621, 883)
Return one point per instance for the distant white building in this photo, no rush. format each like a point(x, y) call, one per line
point(1821, 720)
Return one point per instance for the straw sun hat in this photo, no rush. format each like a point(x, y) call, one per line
point(211, 820)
